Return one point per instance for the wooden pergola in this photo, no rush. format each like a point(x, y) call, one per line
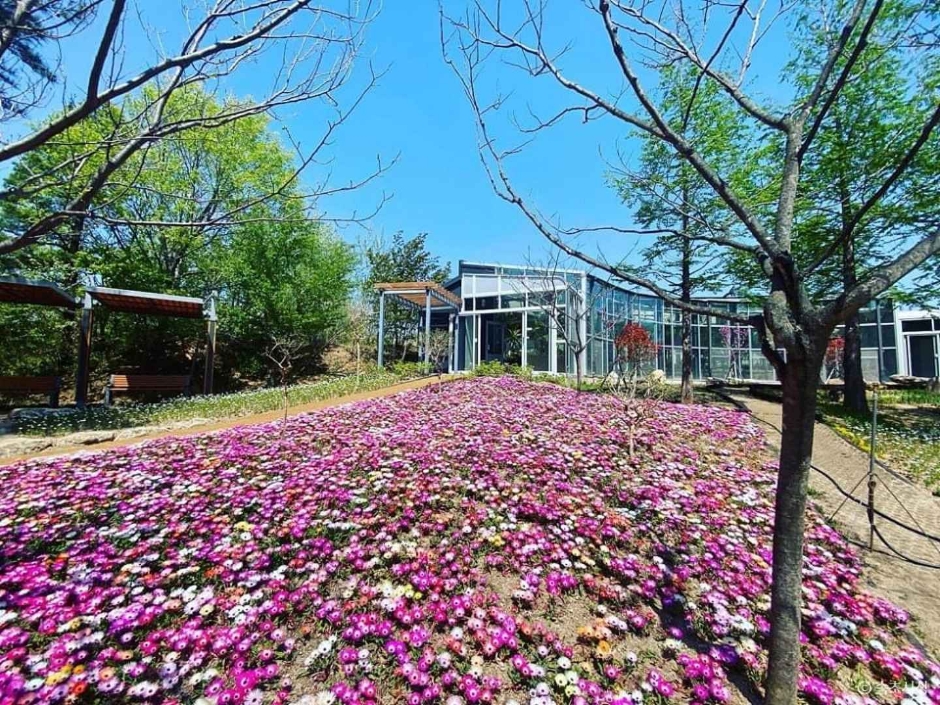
point(424, 297)
point(19, 290)
point(148, 304)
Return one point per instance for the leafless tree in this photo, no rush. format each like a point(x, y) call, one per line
point(719, 41)
point(439, 349)
point(566, 305)
point(307, 48)
point(283, 351)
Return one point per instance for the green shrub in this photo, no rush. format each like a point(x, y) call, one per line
point(495, 368)
point(410, 369)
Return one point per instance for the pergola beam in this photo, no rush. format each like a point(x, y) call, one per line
point(416, 292)
point(19, 290)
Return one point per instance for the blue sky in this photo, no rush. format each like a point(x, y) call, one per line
point(439, 185)
point(419, 113)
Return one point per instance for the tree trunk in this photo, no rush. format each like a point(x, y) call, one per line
point(686, 392)
point(72, 246)
point(854, 398)
point(800, 385)
point(358, 363)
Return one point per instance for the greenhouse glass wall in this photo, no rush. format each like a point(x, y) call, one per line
point(541, 318)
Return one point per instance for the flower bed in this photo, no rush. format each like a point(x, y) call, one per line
point(487, 541)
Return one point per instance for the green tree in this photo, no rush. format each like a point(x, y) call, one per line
point(674, 206)
point(163, 224)
point(280, 283)
point(866, 131)
point(402, 261)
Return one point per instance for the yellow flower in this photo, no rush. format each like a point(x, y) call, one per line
point(587, 633)
point(59, 676)
point(604, 649)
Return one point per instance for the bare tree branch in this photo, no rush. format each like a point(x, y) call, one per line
point(878, 195)
point(317, 47)
point(833, 93)
point(882, 278)
point(262, 30)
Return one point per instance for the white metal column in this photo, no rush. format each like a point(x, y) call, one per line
point(427, 328)
point(452, 347)
point(583, 314)
point(381, 341)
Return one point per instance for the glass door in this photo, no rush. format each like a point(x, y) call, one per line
point(538, 341)
point(922, 352)
point(495, 340)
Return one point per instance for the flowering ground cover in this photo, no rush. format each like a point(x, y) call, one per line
point(488, 541)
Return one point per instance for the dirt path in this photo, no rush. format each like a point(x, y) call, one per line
point(226, 423)
point(914, 587)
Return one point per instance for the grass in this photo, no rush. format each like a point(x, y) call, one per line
point(220, 406)
point(908, 437)
point(911, 397)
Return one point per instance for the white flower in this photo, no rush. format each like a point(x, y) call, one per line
point(325, 697)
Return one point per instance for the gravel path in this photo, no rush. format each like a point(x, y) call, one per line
point(916, 588)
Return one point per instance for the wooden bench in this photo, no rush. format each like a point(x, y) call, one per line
point(144, 384)
point(28, 386)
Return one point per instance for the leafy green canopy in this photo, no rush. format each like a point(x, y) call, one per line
point(866, 132)
point(678, 212)
point(191, 215)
